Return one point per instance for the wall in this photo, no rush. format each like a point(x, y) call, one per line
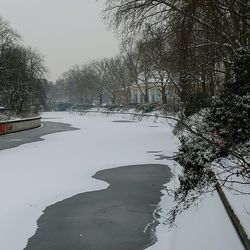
point(19, 125)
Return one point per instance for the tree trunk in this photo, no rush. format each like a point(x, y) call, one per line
point(100, 99)
point(163, 95)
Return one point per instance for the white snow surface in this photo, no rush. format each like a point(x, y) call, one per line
point(36, 175)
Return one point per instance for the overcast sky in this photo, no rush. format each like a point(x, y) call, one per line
point(66, 32)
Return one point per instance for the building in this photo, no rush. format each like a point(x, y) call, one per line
point(138, 92)
point(157, 89)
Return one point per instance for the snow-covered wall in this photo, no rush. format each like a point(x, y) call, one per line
point(19, 125)
point(235, 220)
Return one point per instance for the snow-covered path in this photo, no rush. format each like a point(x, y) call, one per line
point(39, 174)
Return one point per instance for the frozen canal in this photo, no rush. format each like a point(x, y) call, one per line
point(37, 175)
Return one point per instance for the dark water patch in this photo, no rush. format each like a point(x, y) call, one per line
point(110, 219)
point(161, 157)
point(125, 121)
point(49, 118)
point(153, 126)
point(154, 152)
point(33, 135)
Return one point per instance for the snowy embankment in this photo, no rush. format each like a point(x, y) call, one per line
point(240, 203)
point(39, 174)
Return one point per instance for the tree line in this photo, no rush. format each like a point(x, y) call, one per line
point(22, 69)
point(187, 44)
point(83, 83)
point(112, 78)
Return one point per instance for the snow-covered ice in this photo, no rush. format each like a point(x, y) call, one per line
point(39, 174)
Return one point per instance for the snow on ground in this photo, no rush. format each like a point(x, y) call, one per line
point(206, 227)
point(39, 174)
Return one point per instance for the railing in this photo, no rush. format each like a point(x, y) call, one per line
point(139, 114)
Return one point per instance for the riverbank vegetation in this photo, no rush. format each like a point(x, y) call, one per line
point(203, 49)
point(22, 71)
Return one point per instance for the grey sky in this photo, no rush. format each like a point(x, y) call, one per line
point(67, 32)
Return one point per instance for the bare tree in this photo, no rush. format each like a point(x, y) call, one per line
point(202, 37)
point(114, 79)
point(139, 66)
point(78, 85)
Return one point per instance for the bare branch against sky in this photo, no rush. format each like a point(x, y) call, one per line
point(67, 32)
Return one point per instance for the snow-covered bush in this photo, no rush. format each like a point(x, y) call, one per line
point(215, 148)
